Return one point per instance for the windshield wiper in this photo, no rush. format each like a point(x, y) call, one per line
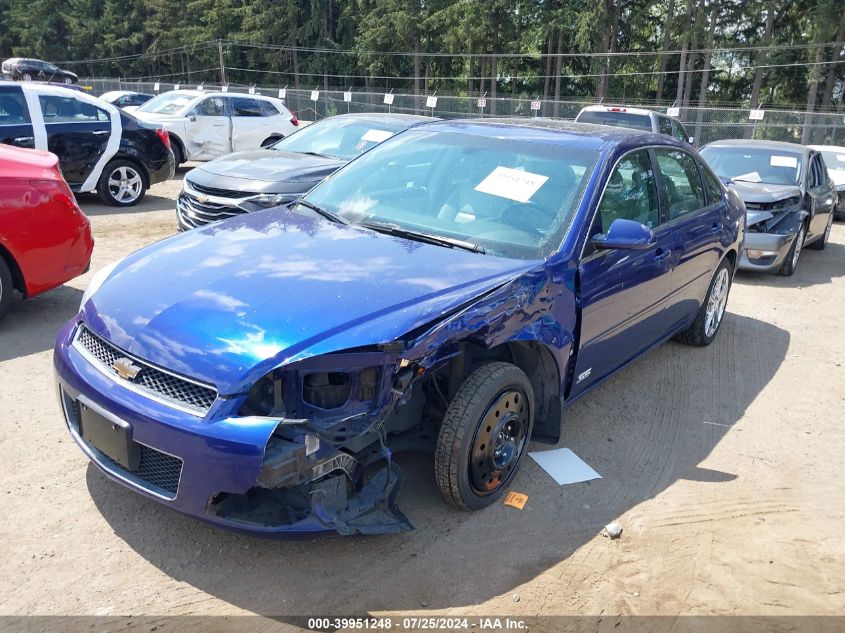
point(419, 236)
point(318, 154)
point(329, 215)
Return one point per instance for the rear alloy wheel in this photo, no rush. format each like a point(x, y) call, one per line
point(67, 81)
point(26, 77)
point(791, 262)
point(703, 329)
point(819, 245)
point(121, 184)
point(484, 435)
point(5, 287)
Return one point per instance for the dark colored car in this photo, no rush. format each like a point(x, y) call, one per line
point(45, 239)
point(262, 178)
point(450, 290)
point(100, 147)
point(126, 98)
point(26, 69)
point(789, 196)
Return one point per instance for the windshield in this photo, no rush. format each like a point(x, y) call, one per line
point(339, 137)
point(507, 197)
point(754, 164)
point(617, 119)
point(167, 103)
point(834, 160)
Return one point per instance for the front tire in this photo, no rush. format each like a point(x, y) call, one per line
point(789, 265)
point(178, 156)
point(122, 184)
point(702, 331)
point(67, 81)
point(6, 287)
point(26, 77)
point(484, 435)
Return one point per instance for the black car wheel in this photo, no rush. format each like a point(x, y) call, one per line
point(178, 157)
point(26, 77)
point(5, 287)
point(122, 184)
point(791, 262)
point(704, 328)
point(484, 435)
point(67, 81)
point(821, 243)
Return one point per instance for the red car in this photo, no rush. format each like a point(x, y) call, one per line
point(45, 239)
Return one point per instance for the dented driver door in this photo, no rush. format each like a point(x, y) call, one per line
point(209, 129)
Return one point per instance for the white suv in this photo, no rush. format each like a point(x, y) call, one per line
point(635, 118)
point(204, 124)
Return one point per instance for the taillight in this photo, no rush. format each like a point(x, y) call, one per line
point(293, 119)
point(164, 136)
point(56, 190)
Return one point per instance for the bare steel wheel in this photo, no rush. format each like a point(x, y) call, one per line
point(122, 184)
point(484, 435)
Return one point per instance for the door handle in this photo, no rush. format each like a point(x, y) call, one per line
point(101, 132)
point(23, 139)
point(662, 254)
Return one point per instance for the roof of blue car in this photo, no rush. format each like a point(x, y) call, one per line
point(555, 131)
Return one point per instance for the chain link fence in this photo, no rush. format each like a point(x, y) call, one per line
point(704, 124)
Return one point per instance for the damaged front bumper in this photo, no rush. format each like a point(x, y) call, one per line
point(765, 252)
point(228, 470)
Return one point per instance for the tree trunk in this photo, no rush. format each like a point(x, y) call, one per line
point(758, 72)
point(831, 70)
point(699, 20)
point(417, 73)
point(679, 91)
point(667, 41)
point(558, 70)
point(548, 76)
point(470, 75)
point(806, 134)
point(609, 46)
point(705, 76)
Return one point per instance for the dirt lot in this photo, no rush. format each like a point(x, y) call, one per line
point(722, 464)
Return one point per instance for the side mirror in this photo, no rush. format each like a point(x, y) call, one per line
point(625, 234)
point(192, 117)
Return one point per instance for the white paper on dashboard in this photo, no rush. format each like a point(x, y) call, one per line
point(783, 161)
point(376, 136)
point(564, 466)
point(751, 176)
point(513, 184)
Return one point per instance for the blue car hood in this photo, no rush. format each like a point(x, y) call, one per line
point(227, 302)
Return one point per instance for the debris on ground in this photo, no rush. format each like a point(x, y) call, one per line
point(613, 530)
point(516, 500)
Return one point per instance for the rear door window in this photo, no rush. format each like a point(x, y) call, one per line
point(684, 191)
point(246, 107)
point(13, 110)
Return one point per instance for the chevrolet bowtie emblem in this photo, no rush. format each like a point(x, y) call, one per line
point(125, 368)
point(202, 198)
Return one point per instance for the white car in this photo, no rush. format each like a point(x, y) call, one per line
point(834, 159)
point(635, 118)
point(204, 124)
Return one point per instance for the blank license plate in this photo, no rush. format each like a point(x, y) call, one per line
point(111, 438)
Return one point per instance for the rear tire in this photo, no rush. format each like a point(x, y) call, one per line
point(122, 184)
point(702, 331)
point(26, 77)
point(484, 436)
point(6, 287)
point(820, 244)
point(67, 81)
point(789, 265)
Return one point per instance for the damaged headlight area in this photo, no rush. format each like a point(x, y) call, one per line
point(774, 217)
point(341, 417)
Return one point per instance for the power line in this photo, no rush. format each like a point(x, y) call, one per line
point(168, 51)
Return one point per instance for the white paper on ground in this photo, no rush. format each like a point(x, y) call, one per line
point(564, 466)
point(513, 184)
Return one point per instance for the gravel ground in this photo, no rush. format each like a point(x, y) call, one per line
point(722, 464)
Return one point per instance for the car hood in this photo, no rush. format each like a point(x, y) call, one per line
point(230, 301)
point(270, 165)
point(763, 193)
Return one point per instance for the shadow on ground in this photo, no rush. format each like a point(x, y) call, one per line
point(644, 430)
point(31, 326)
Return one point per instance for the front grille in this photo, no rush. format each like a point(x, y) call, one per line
point(220, 193)
point(157, 472)
point(198, 213)
point(156, 382)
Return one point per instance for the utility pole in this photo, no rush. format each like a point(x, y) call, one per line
point(222, 67)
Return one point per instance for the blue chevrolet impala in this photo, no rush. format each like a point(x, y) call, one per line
point(452, 290)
